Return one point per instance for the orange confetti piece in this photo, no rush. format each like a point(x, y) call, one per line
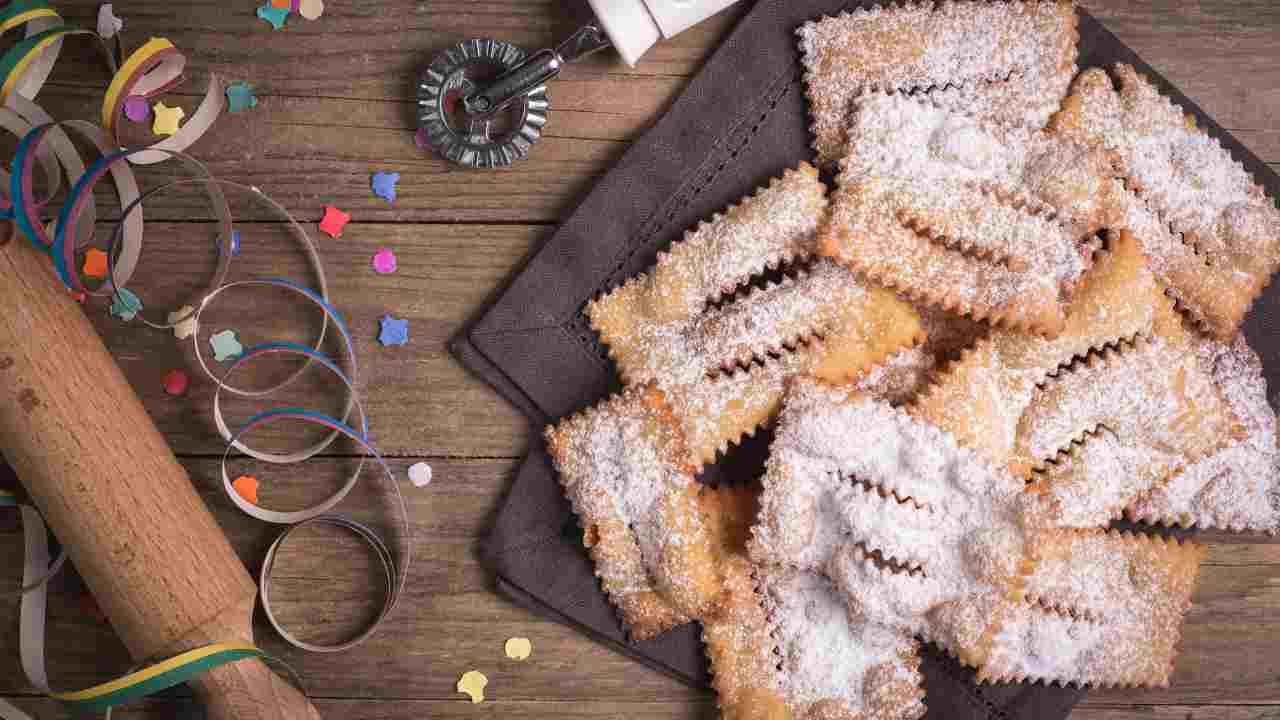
point(281, 4)
point(95, 263)
point(247, 486)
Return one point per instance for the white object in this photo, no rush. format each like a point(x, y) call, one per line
point(634, 26)
point(420, 474)
point(108, 23)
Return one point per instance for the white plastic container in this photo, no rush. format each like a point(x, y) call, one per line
point(634, 26)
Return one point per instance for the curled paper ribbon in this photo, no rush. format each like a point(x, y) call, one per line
point(38, 18)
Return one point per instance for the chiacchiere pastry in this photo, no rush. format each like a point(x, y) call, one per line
point(1211, 233)
point(926, 537)
point(624, 466)
point(978, 218)
point(1101, 608)
point(1236, 487)
point(722, 350)
point(1002, 61)
point(782, 646)
point(1114, 406)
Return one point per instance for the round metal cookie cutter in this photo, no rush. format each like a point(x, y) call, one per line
point(493, 139)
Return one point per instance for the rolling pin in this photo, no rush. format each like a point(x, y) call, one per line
point(115, 496)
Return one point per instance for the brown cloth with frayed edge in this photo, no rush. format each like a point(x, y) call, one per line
point(742, 120)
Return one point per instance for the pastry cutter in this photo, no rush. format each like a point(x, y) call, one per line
point(483, 103)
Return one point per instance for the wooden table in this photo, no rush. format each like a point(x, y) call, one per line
point(334, 106)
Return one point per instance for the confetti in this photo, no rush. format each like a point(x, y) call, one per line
point(240, 97)
point(95, 263)
point(384, 262)
point(183, 321)
point(108, 23)
point(394, 331)
point(226, 345)
point(235, 243)
point(519, 648)
point(473, 683)
point(420, 474)
point(167, 119)
point(286, 4)
point(311, 9)
point(420, 139)
point(334, 220)
point(384, 185)
point(136, 108)
point(247, 487)
point(79, 296)
point(175, 382)
point(125, 305)
point(273, 15)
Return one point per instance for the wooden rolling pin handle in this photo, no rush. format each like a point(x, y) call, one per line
point(111, 490)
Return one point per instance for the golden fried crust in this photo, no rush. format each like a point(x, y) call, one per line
point(1102, 608)
point(741, 651)
point(981, 219)
point(981, 397)
point(1007, 62)
point(623, 467)
point(724, 367)
point(1209, 230)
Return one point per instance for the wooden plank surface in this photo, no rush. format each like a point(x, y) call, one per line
point(335, 106)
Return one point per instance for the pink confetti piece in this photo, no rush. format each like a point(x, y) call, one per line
point(384, 262)
point(333, 221)
point(176, 382)
point(136, 108)
point(420, 138)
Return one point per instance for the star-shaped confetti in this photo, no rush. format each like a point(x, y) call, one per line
point(473, 683)
point(175, 382)
point(125, 305)
point(384, 262)
point(183, 321)
point(108, 23)
point(226, 346)
point(518, 648)
point(167, 119)
point(394, 331)
point(95, 263)
point(136, 108)
point(333, 221)
point(420, 474)
point(240, 97)
point(384, 185)
point(273, 15)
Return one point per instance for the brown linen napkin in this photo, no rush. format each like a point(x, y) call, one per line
point(741, 121)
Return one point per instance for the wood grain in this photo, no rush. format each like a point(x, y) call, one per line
point(336, 105)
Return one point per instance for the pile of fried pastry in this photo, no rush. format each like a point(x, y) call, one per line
point(1014, 320)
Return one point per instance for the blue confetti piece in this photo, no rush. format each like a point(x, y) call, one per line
point(235, 243)
point(240, 96)
point(384, 185)
point(273, 15)
point(125, 305)
point(394, 331)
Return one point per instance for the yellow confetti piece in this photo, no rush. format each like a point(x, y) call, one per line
point(183, 321)
point(519, 648)
point(473, 683)
point(167, 118)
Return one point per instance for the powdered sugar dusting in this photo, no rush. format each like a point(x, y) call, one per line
point(1237, 487)
point(867, 670)
point(1007, 61)
point(1187, 189)
point(981, 218)
point(1102, 608)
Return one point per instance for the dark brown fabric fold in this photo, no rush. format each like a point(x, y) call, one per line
point(741, 121)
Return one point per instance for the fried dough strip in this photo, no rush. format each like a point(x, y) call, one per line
point(980, 398)
point(1236, 487)
point(1211, 233)
point(774, 226)
point(624, 467)
point(1101, 608)
point(831, 669)
point(1025, 51)
point(987, 220)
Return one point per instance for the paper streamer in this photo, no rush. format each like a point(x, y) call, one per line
point(44, 148)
